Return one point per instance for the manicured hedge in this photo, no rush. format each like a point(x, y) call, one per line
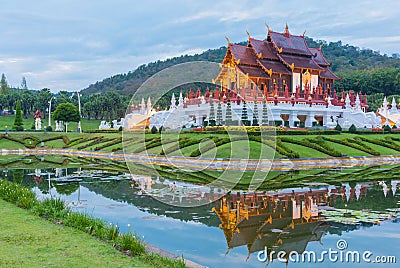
point(113, 142)
point(98, 140)
point(382, 142)
point(102, 131)
point(78, 141)
point(353, 143)
point(317, 144)
point(63, 137)
point(282, 149)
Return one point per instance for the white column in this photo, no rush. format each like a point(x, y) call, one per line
point(308, 122)
point(292, 116)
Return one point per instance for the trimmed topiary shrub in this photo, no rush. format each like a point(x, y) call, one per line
point(154, 130)
point(387, 129)
point(353, 129)
point(338, 127)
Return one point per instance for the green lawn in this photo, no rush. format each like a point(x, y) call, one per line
point(109, 142)
point(29, 241)
point(346, 150)
point(383, 150)
point(8, 121)
point(306, 152)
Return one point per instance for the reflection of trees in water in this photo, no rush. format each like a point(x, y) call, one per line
point(66, 188)
point(18, 176)
point(123, 192)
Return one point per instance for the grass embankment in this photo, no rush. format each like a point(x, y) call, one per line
point(212, 144)
point(27, 240)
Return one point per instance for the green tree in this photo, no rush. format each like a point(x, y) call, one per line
point(3, 102)
point(66, 112)
point(89, 109)
point(11, 99)
point(42, 100)
point(18, 124)
point(4, 88)
point(28, 99)
point(63, 97)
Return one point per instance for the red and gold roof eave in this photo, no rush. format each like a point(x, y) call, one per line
point(323, 57)
point(251, 46)
point(279, 50)
point(270, 72)
point(335, 77)
point(291, 66)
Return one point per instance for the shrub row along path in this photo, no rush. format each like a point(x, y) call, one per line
point(219, 164)
point(30, 241)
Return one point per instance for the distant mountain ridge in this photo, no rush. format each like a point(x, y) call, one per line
point(344, 58)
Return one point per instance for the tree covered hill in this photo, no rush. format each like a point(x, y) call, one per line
point(345, 59)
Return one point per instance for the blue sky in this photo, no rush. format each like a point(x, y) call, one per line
point(71, 44)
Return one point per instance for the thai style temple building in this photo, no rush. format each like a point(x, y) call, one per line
point(281, 72)
point(283, 67)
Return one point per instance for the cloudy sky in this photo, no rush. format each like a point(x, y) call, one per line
point(67, 45)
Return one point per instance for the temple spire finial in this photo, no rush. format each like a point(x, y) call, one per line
point(248, 34)
point(227, 40)
point(266, 25)
point(287, 29)
point(304, 33)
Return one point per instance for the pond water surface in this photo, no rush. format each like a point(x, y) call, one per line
point(358, 216)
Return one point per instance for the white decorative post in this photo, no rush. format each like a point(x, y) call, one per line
point(50, 110)
point(173, 102)
point(347, 102)
point(358, 103)
point(142, 107)
point(149, 106)
point(180, 101)
point(385, 107)
point(394, 109)
point(80, 114)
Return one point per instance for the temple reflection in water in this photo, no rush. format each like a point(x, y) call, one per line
point(279, 220)
point(288, 220)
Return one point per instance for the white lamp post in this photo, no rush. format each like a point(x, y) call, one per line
point(79, 108)
point(50, 110)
